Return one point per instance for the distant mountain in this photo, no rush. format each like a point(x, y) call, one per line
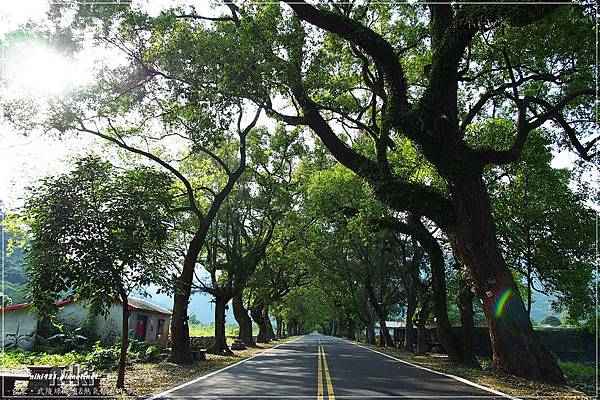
point(13, 271)
point(542, 306)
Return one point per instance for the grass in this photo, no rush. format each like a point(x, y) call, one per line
point(209, 329)
point(19, 359)
point(575, 370)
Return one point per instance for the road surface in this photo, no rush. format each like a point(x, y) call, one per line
point(324, 368)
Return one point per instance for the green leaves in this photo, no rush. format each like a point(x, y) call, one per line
point(97, 233)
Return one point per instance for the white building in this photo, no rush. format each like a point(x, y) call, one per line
point(147, 321)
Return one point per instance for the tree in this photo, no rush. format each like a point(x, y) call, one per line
point(427, 105)
point(535, 209)
point(97, 233)
point(401, 77)
point(244, 228)
point(551, 321)
point(145, 105)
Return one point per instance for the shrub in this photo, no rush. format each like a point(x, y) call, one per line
point(151, 354)
point(575, 370)
point(103, 358)
point(143, 351)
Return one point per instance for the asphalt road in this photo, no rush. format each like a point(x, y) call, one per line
point(324, 368)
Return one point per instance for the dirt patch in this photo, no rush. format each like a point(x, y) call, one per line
point(509, 384)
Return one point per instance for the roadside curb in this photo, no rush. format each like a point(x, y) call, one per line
point(202, 377)
point(458, 378)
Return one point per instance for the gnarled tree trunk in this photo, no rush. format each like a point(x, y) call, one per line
point(446, 335)
point(243, 319)
point(465, 305)
point(516, 347)
point(385, 339)
point(220, 344)
point(268, 325)
point(350, 329)
point(422, 316)
point(180, 331)
point(256, 312)
point(409, 332)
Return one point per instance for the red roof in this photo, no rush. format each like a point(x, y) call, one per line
point(23, 305)
point(135, 304)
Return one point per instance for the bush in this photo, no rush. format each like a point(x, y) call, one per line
point(575, 370)
point(103, 358)
point(17, 358)
point(143, 351)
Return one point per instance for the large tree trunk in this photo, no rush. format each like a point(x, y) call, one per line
point(370, 326)
point(517, 350)
point(268, 325)
point(351, 329)
point(180, 331)
point(385, 339)
point(279, 326)
point(409, 332)
point(243, 319)
point(124, 343)
point(256, 312)
point(422, 315)
point(446, 335)
point(465, 305)
point(220, 344)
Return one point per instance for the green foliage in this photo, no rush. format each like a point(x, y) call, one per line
point(535, 209)
point(69, 336)
point(103, 358)
point(96, 233)
point(200, 329)
point(18, 358)
point(575, 370)
point(550, 320)
point(16, 338)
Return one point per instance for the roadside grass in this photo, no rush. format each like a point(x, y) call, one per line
point(580, 376)
point(209, 330)
point(509, 384)
point(18, 359)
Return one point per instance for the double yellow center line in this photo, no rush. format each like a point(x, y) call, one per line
point(323, 368)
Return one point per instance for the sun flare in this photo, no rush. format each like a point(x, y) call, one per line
point(39, 70)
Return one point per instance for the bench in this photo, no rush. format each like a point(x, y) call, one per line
point(8, 382)
point(198, 354)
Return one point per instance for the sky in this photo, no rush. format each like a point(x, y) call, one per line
point(26, 159)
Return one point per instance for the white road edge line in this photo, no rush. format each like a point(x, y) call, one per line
point(458, 378)
point(158, 395)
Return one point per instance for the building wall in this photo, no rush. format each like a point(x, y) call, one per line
point(108, 327)
point(22, 320)
point(152, 322)
point(74, 313)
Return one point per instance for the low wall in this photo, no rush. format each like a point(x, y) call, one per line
point(568, 344)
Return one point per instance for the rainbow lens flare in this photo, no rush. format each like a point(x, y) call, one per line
point(502, 302)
